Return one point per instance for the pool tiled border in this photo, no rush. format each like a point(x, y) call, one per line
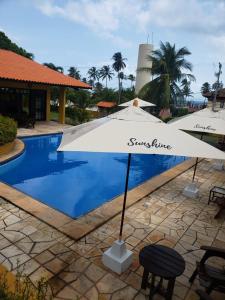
point(17, 150)
point(76, 229)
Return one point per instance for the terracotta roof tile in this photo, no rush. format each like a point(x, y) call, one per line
point(17, 67)
point(106, 104)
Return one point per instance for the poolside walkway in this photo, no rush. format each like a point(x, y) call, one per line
point(75, 270)
point(42, 127)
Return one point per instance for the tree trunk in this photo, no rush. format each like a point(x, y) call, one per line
point(119, 91)
point(166, 92)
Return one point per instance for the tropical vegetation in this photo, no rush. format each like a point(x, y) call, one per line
point(93, 74)
point(54, 67)
point(168, 66)
point(118, 65)
point(7, 44)
point(206, 87)
point(186, 88)
point(131, 77)
point(20, 287)
point(74, 73)
point(105, 73)
point(8, 130)
point(217, 85)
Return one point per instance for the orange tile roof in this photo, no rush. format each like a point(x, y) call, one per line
point(106, 104)
point(17, 67)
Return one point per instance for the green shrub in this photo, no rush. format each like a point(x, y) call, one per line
point(8, 130)
point(167, 119)
point(180, 112)
point(23, 288)
point(77, 115)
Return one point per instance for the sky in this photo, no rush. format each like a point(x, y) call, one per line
point(86, 33)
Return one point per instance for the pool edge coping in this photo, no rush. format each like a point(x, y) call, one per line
point(78, 228)
point(17, 150)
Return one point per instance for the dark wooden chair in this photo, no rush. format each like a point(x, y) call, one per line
point(215, 193)
point(203, 295)
point(24, 120)
point(220, 201)
point(210, 277)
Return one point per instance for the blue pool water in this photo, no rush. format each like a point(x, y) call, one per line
point(77, 182)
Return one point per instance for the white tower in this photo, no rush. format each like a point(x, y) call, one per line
point(143, 77)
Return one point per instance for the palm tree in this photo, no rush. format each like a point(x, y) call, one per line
point(118, 65)
point(98, 87)
point(186, 88)
point(206, 87)
point(131, 77)
point(168, 64)
point(74, 72)
point(84, 79)
point(106, 73)
point(217, 85)
point(91, 82)
point(54, 67)
point(93, 74)
point(121, 77)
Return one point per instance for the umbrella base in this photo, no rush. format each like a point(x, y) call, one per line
point(191, 191)
point(218, 165)
point(117, 258)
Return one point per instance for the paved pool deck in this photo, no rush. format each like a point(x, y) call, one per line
point(74, 268)
point(42, 127)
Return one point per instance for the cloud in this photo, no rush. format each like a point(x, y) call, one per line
point(198, 16)
point(218, 43)
point(108, 17)
point(101, 17)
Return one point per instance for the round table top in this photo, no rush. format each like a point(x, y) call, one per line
point(162, 261)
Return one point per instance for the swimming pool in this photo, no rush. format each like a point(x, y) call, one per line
point(77, 182)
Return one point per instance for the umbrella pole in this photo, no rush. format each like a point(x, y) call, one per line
point(196, 162)
point(125, 196)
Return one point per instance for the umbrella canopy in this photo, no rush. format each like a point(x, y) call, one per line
point(128, 114)
point(140, 102)
point(208, 112)
point(201, 122)
point(132, 130)
point(204, 121)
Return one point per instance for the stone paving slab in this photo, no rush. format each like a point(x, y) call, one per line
point(74, 268)
point(42, 127)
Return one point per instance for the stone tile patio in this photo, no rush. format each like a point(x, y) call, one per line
point(42, 127)
point(74, 268)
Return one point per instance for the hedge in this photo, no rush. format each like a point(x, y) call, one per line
point(8, 130)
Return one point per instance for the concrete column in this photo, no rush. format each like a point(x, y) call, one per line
point(143, 77)
point(48, 99)
point(62, 104)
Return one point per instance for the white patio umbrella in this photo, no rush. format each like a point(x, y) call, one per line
point(205, 121)
point(200, 122)
point(208, 112)
point(219, 114)
point(141, 103)
point(132, 130)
